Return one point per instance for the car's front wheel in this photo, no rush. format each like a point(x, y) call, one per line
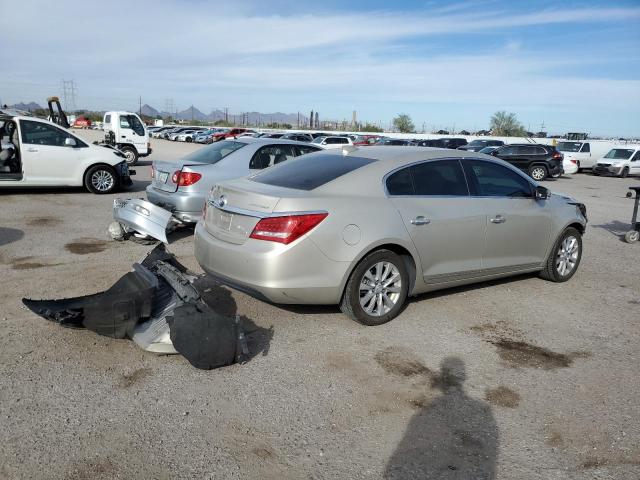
point(377, 288)
point(101, 179)
point(624, 173)
point(565, 257)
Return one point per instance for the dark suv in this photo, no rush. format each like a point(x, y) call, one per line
point(539, 161)
point(477, 145)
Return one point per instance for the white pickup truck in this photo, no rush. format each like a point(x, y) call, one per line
point(126, 132)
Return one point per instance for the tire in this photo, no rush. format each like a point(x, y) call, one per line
point(368, 270)
point(189, 139)
point(632, 236)
point(131, 154)
point(624, 173)
point(538, 172)
point(101, 179)
point(553, 270)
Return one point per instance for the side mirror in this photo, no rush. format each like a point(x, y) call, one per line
point(541, 193)
point(69, 142)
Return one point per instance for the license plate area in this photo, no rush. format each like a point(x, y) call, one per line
point(222, 219)
point(163, 177)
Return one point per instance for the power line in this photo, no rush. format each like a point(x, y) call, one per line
point(69, 95)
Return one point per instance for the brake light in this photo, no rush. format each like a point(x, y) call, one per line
point(184, 179)
point(557, 155)
point(575, 162)
point(286, 229)
point(153, 171)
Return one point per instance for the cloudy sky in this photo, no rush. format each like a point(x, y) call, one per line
point(573, 65)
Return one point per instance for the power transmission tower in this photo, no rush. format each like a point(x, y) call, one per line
point(168, 106)
point(69, 95)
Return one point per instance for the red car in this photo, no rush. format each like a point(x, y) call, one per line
point(234, 132)
point(366, 139)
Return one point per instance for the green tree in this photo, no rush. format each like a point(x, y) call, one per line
point(506, 125)
point(403, 123)
point(369, 127)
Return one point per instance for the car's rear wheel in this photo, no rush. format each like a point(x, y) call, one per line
point(377, 288)
point(101, 179)
point(537, 172)
point(565, 257)
point(131, 154)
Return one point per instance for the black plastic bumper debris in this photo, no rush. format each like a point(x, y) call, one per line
point(158, 306)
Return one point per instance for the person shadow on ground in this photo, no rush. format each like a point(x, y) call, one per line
point(454, 437)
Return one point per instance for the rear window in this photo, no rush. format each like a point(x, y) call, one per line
point(310, 171)
point(619, 154)
point(214, 152)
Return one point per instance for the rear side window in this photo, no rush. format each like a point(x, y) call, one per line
point(540, 151)
point(271, 155)
point(215, 152)
point(488, 179)
point(311, 171)
point(336, 141)
point(435, 178)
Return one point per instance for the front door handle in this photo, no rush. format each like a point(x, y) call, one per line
point(498, 219)
point(32, 149)
point(420, 220)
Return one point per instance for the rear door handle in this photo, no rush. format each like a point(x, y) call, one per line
point(32, 149)
point(420, 220)
point(498, 219)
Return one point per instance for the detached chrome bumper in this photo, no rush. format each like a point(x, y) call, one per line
point(137, 215)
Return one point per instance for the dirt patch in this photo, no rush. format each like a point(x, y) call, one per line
point(398, 361)
point(521, 354)
point(84, 246)
point(91, 469)
point(130, 379)
point(502, 397)
point(555, 439)
point(44, 221)
point(340, 361)
point(597, 462)
point(634, 302)
point(262, 452)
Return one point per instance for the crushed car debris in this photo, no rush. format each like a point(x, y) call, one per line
point(157, 306)
point(139, 219)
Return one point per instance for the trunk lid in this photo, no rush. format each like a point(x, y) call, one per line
point(234, 210)
point(163, 174)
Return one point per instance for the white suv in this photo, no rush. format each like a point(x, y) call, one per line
point(332, 142)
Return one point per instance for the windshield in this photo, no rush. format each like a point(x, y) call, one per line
point(569, 146)
point(318, 140)
point(478, 143)
point(214, 152)
point(619, 154)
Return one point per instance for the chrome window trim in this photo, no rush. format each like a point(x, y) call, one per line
point(460, 160)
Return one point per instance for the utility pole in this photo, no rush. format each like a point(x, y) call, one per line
point(140, 103)
point(191, 113)
point(226, 114)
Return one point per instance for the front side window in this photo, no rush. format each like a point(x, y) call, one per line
point(304, 149)
point(37, 133)
point(586, 148)
point(488, 179)
point(636, 157)
point(271, 155)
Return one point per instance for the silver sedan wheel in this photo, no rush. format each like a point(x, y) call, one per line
point(567, 256)
point(538, 173)
point(380, 288)
point(102, 180)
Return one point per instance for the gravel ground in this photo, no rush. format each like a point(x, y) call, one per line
point(515, 379)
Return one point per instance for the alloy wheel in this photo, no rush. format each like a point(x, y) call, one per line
point(380, 288)
point(538, 173)
point(102, 180)
point(567, 256)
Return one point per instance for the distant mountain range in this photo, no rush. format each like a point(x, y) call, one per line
point(26, 106)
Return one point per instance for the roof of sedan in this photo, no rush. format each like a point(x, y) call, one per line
point(402, 154)
point(262, 140)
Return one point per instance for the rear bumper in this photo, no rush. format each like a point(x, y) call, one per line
point(298, 273)
point(185, 206)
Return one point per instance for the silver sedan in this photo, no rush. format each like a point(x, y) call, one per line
point(181, 187)
point(366, 228)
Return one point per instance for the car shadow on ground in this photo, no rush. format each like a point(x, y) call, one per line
point(616, 228)
point(453, 437)
point(10, 235)
point(219, 298)
point(333, 309)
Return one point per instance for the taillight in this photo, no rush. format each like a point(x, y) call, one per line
point(153, 172)
point(557, 156)
point(184, 179)
point(575, 162)
point(286, 229)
